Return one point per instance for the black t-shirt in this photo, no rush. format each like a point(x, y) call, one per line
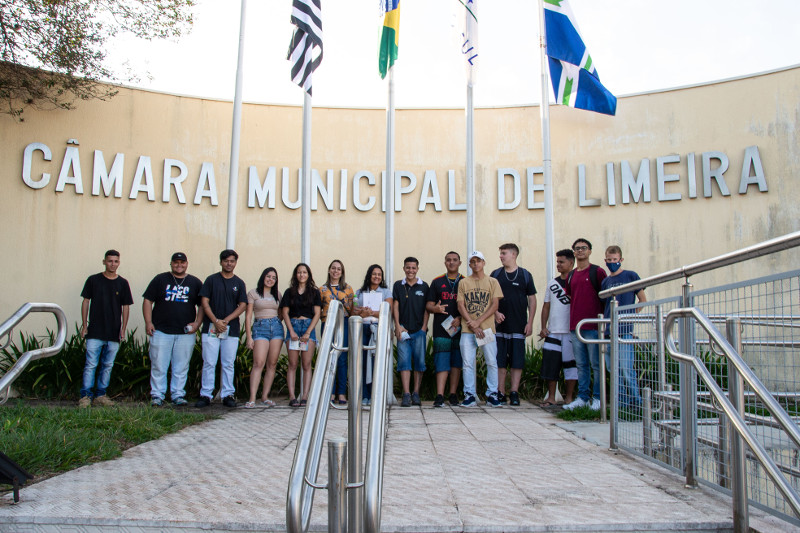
point(105, 311)
point(516, 287)
point(444, 290)
point(224, 297)
point(300, 306)
point(411, 300)
point(175, 301)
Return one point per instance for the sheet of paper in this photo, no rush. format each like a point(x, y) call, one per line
point(222, 335)
point(488, 336)
point(372, 300)
point(297, 345)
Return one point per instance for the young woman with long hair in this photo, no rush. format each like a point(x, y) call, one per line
point(264, 334)
point(300, 308)
point(335, 288)
point(373, 291)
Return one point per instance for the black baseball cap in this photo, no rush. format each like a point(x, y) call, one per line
point(179, 256)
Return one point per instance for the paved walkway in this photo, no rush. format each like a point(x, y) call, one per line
point(510, 469)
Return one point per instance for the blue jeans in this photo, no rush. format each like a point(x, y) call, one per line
point(469, 349)
point(410, 350)
point(628, 385)
point(102, 353)
point(340, 384)
point(225, 351)
point(366, 336)
point(587, 357)
point(166, 349)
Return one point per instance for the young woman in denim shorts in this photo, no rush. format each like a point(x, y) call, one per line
point(300, 308)
point(264, 334)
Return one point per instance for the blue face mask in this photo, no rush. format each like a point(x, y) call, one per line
point(613, 267)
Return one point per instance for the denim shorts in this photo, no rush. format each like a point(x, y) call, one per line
point(300, 325)
point(411, 353)
point(267, 328)
point(447, 353)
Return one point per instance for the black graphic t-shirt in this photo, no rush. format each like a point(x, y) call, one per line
point(444, 290)
point(175, 301)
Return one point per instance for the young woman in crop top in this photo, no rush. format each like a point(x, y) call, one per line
point(264, 333)
point(300, 308)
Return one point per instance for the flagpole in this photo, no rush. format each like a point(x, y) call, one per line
point(549, 226)
point(389, 181)
point(305, 228)
point(470, 174)
point(236, 128)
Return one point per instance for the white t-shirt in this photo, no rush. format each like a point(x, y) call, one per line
point(559, 306)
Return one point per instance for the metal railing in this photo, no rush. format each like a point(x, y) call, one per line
point(376, 439)
point(6, 330)
point(734, 409)
point(676, 419)
point(354, 497)
point(307, 455)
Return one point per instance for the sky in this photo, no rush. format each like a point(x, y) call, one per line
point(637, 46)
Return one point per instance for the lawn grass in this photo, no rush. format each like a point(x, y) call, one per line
point(47, 440)
point(579, 414)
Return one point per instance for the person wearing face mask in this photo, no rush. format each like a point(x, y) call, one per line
point(628, 392)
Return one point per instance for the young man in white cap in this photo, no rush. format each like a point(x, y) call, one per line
point(478, 298)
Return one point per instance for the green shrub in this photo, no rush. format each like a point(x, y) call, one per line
point(59, 377)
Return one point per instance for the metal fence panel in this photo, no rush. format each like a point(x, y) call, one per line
point(648, 424)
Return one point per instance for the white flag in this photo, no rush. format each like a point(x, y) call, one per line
point(467, 28)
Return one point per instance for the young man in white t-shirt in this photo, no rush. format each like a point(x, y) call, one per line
point(557, 347)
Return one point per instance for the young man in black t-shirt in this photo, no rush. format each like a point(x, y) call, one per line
point(443, 305)
point(172, 315)
point(224, 298)
point(514, 320)
point(411, 328)
point(104, 318)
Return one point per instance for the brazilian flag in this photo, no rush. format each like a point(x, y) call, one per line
point(390, 36)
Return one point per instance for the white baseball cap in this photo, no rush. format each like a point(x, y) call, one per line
point(476, 254)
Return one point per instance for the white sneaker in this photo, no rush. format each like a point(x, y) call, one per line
point(595, 405)
point(577, 402)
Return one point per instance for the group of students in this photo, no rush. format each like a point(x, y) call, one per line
point(492, 311)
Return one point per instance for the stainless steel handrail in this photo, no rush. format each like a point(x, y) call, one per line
point(26, 358)
point(305, 467)
point(790, 240)
point(786, 423)
point(373, 472)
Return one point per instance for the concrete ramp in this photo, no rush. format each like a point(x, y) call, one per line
point(447, 470)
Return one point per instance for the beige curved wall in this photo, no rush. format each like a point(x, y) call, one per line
point(53, 240)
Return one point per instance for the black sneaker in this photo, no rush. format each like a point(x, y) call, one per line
point(406, 401)
point(492, 401)
point(415, 399)
point(454, 400)
point(204, 401)
point(229, 401)
point(513, 398)
point(501, 398)
point(439, 401)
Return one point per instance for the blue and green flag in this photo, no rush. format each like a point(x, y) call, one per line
point(572, 73)
point(390, 36)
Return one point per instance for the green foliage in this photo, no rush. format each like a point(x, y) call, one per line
point(46, 440)
point(59, 377)
point(53, 52)
point(579, 414)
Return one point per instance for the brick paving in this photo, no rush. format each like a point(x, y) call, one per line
point(446, 470)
